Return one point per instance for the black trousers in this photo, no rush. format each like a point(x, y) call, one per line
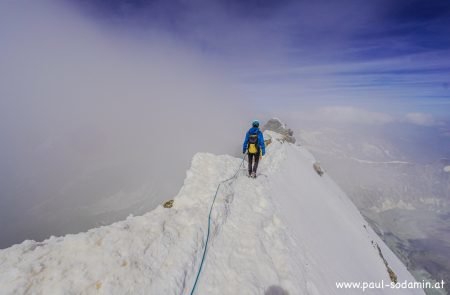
point(253, 160)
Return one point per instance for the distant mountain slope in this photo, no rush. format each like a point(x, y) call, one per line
point(397, 179)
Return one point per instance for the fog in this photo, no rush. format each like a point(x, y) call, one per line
point(96, 123)
point(104, 103)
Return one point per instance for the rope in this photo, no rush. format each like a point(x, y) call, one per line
point(209, 224)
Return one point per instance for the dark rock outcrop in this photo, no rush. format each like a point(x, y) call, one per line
point(277, 126)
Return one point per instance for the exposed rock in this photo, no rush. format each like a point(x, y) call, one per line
point(276, 125)
point(318, 168)
point(391, 273)
point(168, 204)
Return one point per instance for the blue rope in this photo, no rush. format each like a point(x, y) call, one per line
point(209, 225)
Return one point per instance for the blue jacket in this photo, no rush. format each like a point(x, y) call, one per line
point(262, 146)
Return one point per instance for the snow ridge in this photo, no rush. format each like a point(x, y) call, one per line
point(223, 184)
point(289, 231)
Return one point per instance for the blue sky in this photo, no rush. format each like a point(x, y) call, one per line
point(370, 54)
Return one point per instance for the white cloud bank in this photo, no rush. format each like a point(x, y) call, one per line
point(361, 116)
point(88, 113)
point(420, 119)
point(349, 114)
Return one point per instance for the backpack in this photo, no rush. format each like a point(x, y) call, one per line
point(253, 143)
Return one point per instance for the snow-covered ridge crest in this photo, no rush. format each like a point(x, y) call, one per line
point(289, 230)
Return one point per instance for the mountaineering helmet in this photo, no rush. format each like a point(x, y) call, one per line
point(255, 123)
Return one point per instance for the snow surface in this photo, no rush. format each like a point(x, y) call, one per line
point(289, 230)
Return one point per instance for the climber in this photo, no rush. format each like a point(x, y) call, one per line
point(254, 145)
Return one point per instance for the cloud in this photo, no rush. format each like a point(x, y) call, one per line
point(91, 91)
point(293, 52)
point(359, 117)
point(88, 112)
point(421, 119)
point(349, 114)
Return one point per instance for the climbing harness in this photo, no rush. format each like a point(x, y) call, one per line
point(209, 222)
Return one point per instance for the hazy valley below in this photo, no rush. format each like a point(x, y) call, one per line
point(400, 185)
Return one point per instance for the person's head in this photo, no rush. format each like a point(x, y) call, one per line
point(255, 123)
